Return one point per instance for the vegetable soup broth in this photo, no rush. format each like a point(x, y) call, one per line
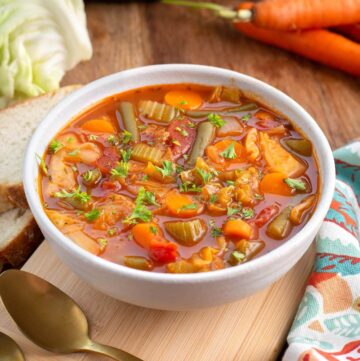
point(189, 210)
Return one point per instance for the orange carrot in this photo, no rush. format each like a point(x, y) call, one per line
point(226, 152)
point(319, 45)
point(303, 14)
point(99, 126)
point(350, 31)
point(274, 183)
point(185, 99)
point(145, 234)
point(181, 205)
point(237, 228)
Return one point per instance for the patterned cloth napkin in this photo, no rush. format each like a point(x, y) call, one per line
point(327, 325)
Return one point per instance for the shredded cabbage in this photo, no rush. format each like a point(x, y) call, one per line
point(39, 41)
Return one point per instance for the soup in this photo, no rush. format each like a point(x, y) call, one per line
point(179, 178)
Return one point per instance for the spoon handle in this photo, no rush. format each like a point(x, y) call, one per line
point(112, 352)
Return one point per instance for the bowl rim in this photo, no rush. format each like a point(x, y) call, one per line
point(277, 254)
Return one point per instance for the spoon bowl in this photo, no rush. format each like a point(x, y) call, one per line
point(9, 349)
point(49, 317)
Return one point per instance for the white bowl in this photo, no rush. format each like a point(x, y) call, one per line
point(178, 291)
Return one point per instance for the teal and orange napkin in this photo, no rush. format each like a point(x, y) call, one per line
point(327, 324)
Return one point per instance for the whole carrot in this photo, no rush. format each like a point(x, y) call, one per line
point(286, 14)
point(305, 14)
point(319, 45)
point(351, 31)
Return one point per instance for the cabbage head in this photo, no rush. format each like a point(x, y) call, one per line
point(39, 41)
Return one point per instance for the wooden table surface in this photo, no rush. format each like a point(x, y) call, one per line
point(131, 35)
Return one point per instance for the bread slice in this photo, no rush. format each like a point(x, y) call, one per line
point(17, 123)
point(19, 237)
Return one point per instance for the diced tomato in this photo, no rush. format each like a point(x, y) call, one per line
point(111, 185)
point(266, 214)
point(181, 136)
point(108, 160)
point(163, 252)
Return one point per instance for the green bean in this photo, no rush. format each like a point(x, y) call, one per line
point(138, 263)
point(187, 233)
point(128, 116)
point(300, 146)
point(280, 226)
point(205, 135)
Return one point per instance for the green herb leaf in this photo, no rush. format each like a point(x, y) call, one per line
point(145, 177)
point(232, 211)
point(213, 198)
point(126, 137)
point(189, 187)
point(113, 140)
point(121, 170)
point(183, 132)
point(229, 152)
point(125, 154)
point(92, 215)
point(176, 142)
point(111, 231)
point(191, 125)
point(247, 213)
point(246, 117)
point(205, 176)
point(69, 140)
point(215, 231)
point(83, 197)
point(216, 120)
point(102, 243)
point(153, 230)
point(167, 169)
point(87, 176)
point(42, 164)
point(141, 213)
point(230, 182)
point(55, 146)
point(258, 196)
point(297, 184)
point(189, 206)
point(93, 137)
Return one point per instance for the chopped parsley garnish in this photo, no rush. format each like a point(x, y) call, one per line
point(232, 211)
point(113, 140)
point(121, 170)
point(188, 207)
point(153, 230)
point(247, 213)
point(55, 146)
point(69, 140)
point(140, 213)
point(125, 154)
point(297, 184)
point(146, 196)
point(258, 196)
point(82, 197)
point(216, 120)
point(111, 232)
point(189, 187)
point(176, 142)
point(238, 256)
point(191, 125)
point(126, 137)
point(185, 156)
point(42, 164)
point(229, 152)
point(93, 137)
point(230, 182)
point(88, 175)
point(205, 176)
point(102, 243)
point(183, 102)
point(142, 126)
point(74, 168)
point(215, 231)
point(92, 215)
point(183, 132)
point(74, 152)
point(167, 168)
point(246, 117)
point(145, 178)
point(213, 198)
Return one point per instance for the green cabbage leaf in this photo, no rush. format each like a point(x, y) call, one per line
point(39, 41)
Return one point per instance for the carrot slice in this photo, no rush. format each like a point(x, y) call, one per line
point(145, 234)
point(216, 152)
point(99, 126)
point(184, 99)
point(274, 183)
point(181, 205)
point(237, 228)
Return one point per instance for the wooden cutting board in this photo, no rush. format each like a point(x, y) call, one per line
point(254, 328)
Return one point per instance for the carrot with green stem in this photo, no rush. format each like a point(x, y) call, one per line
point(285, 14)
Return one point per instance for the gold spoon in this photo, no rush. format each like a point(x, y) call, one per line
point(49, 317)
point(9, 349)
